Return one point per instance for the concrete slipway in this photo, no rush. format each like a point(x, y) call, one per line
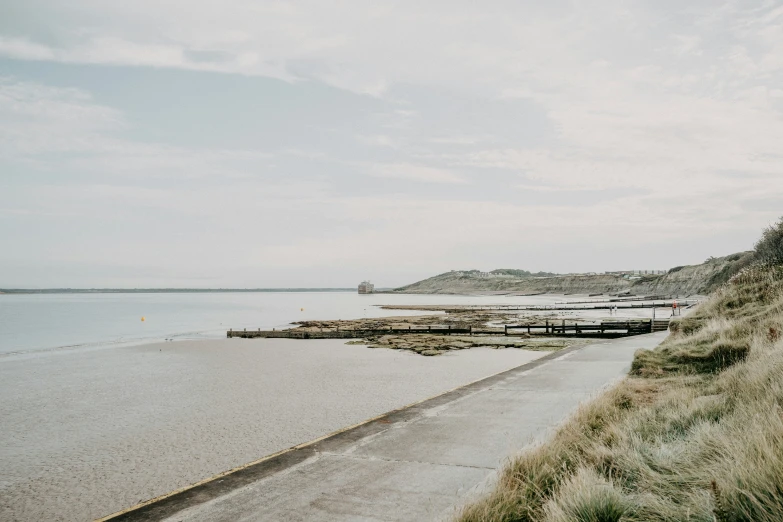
point(421, 462)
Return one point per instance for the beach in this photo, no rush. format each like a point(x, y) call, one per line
point(90, 432)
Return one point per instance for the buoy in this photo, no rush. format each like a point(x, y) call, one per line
point(301, 309)
point(142, 318)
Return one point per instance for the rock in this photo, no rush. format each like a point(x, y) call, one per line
point(430, 352)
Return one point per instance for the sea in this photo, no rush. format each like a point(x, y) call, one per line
point(44, 322)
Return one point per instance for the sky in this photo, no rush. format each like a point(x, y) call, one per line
point(316, 144)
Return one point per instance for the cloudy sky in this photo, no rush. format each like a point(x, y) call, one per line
point(249, 143)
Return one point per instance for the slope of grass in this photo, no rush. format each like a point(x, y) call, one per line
point(694, 433)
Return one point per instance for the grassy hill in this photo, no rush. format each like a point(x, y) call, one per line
point(683, 280)
point(695, 432)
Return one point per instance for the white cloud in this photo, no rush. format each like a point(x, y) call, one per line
point(35, 119)
point(380, 140)
point(407, 171)
point(23, 49)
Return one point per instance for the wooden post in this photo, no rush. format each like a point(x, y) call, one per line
point(528, 328)
point(547, 326)
point(505, 329)
point(429, 328)
point(449, 330)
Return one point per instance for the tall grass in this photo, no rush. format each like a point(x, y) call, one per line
point(769, 248)
point(694, 433)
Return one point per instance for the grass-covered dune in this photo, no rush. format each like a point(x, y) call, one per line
point(694, 433)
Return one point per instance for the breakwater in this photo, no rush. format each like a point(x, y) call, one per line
point(609, 329)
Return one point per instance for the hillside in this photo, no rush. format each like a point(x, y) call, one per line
point(694, 432)
point(683, 280)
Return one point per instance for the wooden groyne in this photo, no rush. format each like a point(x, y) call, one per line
point(612, 328)
point(555, 328)
point(300, 333)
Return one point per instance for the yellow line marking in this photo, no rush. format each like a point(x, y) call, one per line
point(299, 446)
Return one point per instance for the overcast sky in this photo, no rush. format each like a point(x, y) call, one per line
point(247, 143)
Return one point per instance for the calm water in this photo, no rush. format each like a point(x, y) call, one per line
point(44, 322)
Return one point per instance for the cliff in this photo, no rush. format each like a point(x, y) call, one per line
point(682, 280)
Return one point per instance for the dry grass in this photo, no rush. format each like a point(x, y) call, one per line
point(694, 433)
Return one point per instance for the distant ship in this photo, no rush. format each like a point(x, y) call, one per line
point(366, 287)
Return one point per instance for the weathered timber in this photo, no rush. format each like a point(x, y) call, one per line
point(297, 333)
point(608, 329)
point(660, 325)
point(604, 329)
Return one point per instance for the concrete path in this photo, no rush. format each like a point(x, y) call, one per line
point(418, 463)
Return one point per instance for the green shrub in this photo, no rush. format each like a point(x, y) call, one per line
point(769, 249)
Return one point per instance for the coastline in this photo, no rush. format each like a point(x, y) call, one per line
point(199, 407)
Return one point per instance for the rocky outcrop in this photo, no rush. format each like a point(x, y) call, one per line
point(435, 344)
point(438, 344)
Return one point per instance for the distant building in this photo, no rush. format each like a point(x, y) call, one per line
point(366, 287)
point(639, 273)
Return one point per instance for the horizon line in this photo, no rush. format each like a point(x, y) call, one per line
point(169, 290)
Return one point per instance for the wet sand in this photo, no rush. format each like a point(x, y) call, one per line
point(87, 433)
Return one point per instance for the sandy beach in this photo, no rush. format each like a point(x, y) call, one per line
point(88, 433)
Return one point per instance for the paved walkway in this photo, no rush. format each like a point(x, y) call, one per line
point(419, 463)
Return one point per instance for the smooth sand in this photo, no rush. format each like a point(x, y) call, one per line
point(87, 433)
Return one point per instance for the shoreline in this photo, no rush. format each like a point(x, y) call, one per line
point(194, 408)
